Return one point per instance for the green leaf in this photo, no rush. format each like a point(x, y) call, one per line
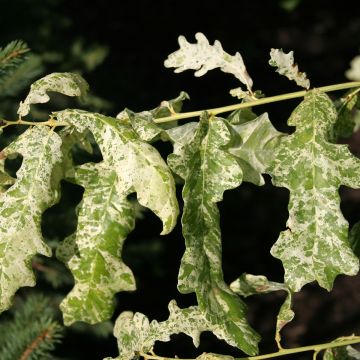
point(255, 150)
point(346, 352)
point(348, 115)
point(204, 57)
point(208, 169)
point(315, 244)
point(21, 208)
point(65, 83)
point(286, 66)
point(106, 216)
point(247, 285)
point(143, 123)
point(135, 334)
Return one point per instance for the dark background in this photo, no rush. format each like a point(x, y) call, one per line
point(137, 36)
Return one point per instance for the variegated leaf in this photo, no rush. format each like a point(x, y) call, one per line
point(286, 66)
point(135, 334)
point(144, 122)
point(315, 245)
point(208, 169)
point(342, 352)
point(254, 151)
point(204, 57)
point(354, 72)
point(69, 84)
point(348, 120)
point(106, 216)
point(247, 285)
point(21, 208)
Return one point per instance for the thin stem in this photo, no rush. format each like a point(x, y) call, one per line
point(282, 352)
point(253, 103)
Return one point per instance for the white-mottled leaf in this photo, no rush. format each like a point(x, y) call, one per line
point(286, 66)
point(255, 150)
point(201, 159)
point(135, 334)
point(247, 285)
point(342, 352)
point(21, 208)
point(106, 216)
point(203, 57)
point(315, 245)
point(65, 83)
point(354, 72)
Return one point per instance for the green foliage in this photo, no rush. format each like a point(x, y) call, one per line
point(211, 156)
point(31, 332)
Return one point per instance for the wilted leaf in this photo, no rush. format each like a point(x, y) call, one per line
point(286, 66)
point(315, 246)
point(247, 285)
point(65, 83)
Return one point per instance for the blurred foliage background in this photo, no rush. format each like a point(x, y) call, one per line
point(119, 48)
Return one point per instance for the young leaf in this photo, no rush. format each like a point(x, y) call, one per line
point(204, 57)
point(354, 72)
point(208, 169)
point(135, 334)
point(106, 216)
point(286, 66)
point(254, 152)
point(65, 83)
point(21, 207)
point(315, 245)
point(247, 285)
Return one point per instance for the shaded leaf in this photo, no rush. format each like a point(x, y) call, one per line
point(286, 66)
point(65, 83)
point(255, 150)
point(21, 208)
point(200, 158)
point(106, 216)
point(315, 245)
point(348, 115)
point(144, 122)
point(247, 285)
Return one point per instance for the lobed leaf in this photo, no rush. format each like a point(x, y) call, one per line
point(106, 216)
point(69, 84)
point(204, 57)
point(201, 159)
point(315, 245)
point(136, 334)
point(22, 205)
point(286, 66)
point(254, 151)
